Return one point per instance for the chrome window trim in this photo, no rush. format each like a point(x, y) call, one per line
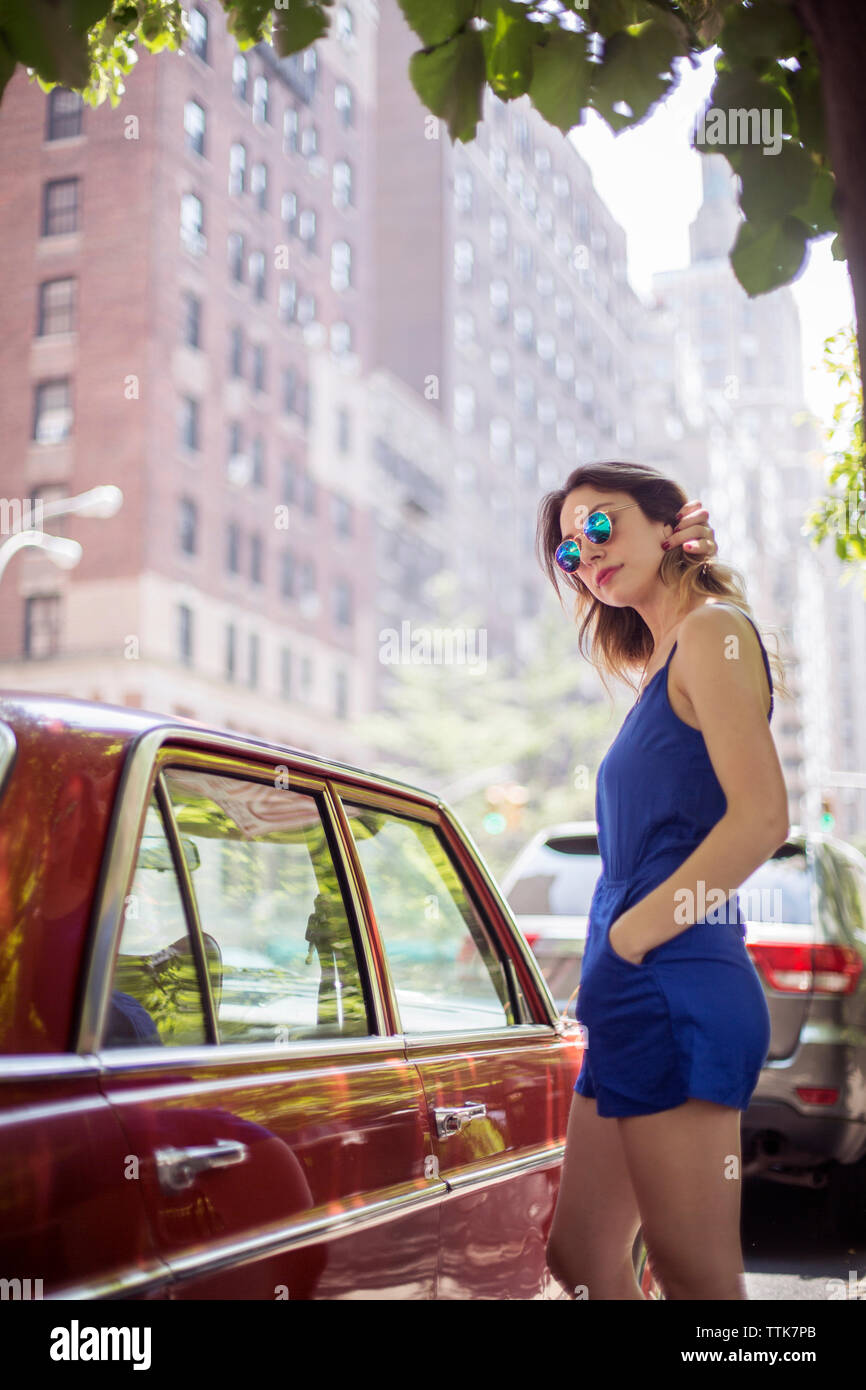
point(141, 769)
point(124, 1059)
point(189, 901)
point(45, 1066)
point(8, 751)
point(469, 1179)
point(518, 1033)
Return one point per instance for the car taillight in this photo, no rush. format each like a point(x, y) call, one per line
point(817, 1095)
point(532, 937)
point(801, 969)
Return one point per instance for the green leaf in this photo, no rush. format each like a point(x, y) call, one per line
point(450, 80)
point(766, 256)
point(298, 27)
point(774, 184)
point(741, 92)
point(807, 94)
point(767, 29)
point(436, 21)
point(561, 79)
point(608, 17)
point(508, 54)
point(636, 70)
point(818, 211)
point(837, 248)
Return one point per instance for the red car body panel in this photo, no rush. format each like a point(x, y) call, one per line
point(345, 1188)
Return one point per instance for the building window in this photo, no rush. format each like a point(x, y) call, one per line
point(198, 33)
point(194, 127)
point(191, 322)
point(464, 326)
point(463, 191)
point(342, 595)
point(464, 257)
point(257, 273)
point(344, 27)
point(341, 516)
point(306, 308)
point(258, 471)
point(256, 558)
point(233, 548)
point(56, 307)
point(192, 224)
point(288, 300)
point(64, 114)
point(41, 625)
point(285, 672)
point(343, 430)
point(307, 229)
point(306, 681)
point(287, 574)
point(341, 695)
point(188, 423)
point(289, 212)
point(309, 141)
point(290, 130)
point(237, 169)
point(308, 495)
point(240, 74)
point(259, 185)
point(341, 338)
point(60, 207)
point(287, 481)
point(294, 392)
point(261, 100)
point(258, 374)
point(188, 530)
point(231, 651)
point(236, 352)
point(341, 265)
point(52, 411)
point(236, 256)
point(253, 662)
point(343, 101)
point(307, 578)
point(341, 184)
point(185, 634)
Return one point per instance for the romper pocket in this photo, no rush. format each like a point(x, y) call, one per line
point(632, 965)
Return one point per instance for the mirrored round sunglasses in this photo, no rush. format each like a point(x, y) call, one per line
point(597, 528)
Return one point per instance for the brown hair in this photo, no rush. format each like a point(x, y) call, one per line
point(620, 639)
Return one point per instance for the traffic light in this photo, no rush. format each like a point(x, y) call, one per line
point(507, 804)
point(828, 819)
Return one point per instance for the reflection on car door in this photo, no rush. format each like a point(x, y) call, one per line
point(279, 1127)
point(497, 1086)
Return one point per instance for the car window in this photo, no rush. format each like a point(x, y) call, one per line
point(155, 997)
point(778, 891)
point(268, 893)
point(557, 878)
point(445, 973)
point(852, 895)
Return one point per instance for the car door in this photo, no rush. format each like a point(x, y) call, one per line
point(497, 1073)
point(280, 1132)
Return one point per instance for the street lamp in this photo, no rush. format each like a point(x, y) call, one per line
point(100, 502)
point(62, 552)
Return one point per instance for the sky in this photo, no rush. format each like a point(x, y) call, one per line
point(650, 179)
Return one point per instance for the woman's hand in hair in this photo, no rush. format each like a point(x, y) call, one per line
point(693, 532)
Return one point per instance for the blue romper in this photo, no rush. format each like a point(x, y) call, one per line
point(691, 1019)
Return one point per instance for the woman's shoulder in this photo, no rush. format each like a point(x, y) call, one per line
point(723, 629)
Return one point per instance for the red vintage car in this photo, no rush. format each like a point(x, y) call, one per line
point(267, 1028)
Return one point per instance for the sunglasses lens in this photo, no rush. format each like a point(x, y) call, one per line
point(568, 556)
point(597, 527)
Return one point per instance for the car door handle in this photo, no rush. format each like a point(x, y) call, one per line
point(177, 1169)
point(450, 1119)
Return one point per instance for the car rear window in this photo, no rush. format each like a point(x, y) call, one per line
point(558, 878)
point(778, 891)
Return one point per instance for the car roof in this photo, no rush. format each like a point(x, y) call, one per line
point(69, 714)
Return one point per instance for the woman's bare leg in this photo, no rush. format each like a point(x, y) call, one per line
point(596, 1217)
point(685, 1171)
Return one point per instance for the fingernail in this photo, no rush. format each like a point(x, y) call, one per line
point(691, 545)
point(666, 545)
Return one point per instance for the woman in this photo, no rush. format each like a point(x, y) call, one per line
point(690, 800)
